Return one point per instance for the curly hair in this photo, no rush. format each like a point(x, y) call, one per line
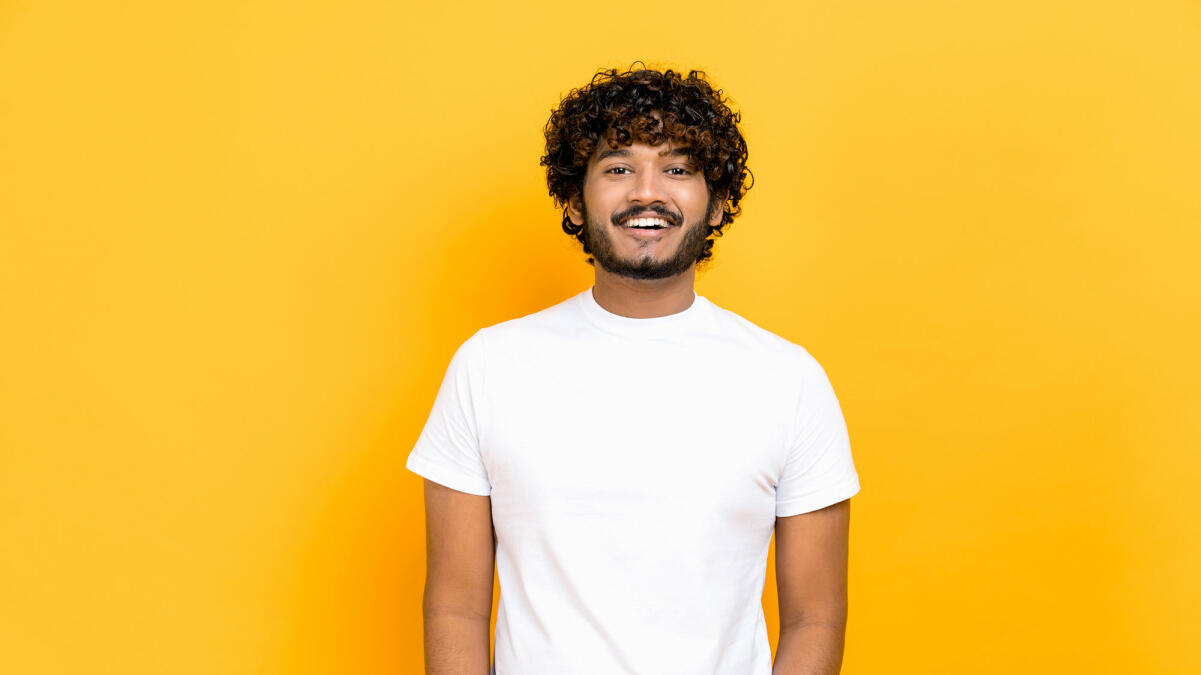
point(618, 106)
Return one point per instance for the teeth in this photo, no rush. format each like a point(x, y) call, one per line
point(646, 222)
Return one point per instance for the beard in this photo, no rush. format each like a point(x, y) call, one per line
point(644, 265)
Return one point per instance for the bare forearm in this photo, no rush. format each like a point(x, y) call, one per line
point(456, 644)
point(810, 649)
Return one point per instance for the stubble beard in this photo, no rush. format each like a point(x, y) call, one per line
point(644, 265)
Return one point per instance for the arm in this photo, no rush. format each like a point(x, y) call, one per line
point(457, 605)
point(811, 575)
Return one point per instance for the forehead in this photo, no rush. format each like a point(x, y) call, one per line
point(667, 150)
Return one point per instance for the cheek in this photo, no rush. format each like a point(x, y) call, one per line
point(600, 203)
point(699, 201)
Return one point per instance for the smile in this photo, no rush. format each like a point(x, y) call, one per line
point(646, 224)
point(646, 232)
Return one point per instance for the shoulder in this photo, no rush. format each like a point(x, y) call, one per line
point(558, 319)
point(780, 351)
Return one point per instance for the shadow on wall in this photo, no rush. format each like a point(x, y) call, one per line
point(357, 591)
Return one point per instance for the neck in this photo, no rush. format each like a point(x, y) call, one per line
point(644, 298)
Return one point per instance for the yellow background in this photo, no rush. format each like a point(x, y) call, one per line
point(239, 242)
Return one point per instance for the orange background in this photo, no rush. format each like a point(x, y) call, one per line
point(240, 241)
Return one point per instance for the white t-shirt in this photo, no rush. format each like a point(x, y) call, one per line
point(636, 468)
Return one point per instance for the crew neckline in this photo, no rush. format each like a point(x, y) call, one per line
point(626, 325)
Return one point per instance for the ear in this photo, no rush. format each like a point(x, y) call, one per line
point(575, 210)
point(717, 210)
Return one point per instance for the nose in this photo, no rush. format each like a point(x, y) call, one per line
point(647, 188)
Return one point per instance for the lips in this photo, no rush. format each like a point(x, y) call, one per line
point(646, 224)
point(646, 232)
point(647, 220)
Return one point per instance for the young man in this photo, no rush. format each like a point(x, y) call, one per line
point(625, 454)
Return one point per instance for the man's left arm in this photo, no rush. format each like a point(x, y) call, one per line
point(811, 575)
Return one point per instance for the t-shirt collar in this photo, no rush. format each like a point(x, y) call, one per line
point(652, 326)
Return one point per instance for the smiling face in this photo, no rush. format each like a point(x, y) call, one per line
point(646, 210)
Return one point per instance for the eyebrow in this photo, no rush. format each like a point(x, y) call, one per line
point(623, 152)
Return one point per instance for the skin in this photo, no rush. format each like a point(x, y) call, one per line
point(643, 180)
point(638, 278)
point(457, 603)
point(811, 578)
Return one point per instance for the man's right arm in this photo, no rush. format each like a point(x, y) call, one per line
point(457, 605)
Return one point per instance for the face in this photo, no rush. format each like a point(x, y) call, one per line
point(644, 210)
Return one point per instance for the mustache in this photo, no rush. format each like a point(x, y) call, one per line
point(658, 209)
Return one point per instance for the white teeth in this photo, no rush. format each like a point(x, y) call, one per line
point(646, 222)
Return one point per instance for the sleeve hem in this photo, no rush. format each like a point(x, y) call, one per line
point(451, 479)
point(817, 500)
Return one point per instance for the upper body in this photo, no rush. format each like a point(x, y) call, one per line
point(625, 455)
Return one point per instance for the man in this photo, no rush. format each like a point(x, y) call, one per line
point(625, 454)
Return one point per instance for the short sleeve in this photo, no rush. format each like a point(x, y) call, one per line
point(448, 451)
point(819, 470)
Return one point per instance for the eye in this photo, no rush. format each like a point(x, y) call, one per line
point(616, 168)
point(679, 171)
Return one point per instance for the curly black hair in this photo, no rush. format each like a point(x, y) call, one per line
point(618, 106)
